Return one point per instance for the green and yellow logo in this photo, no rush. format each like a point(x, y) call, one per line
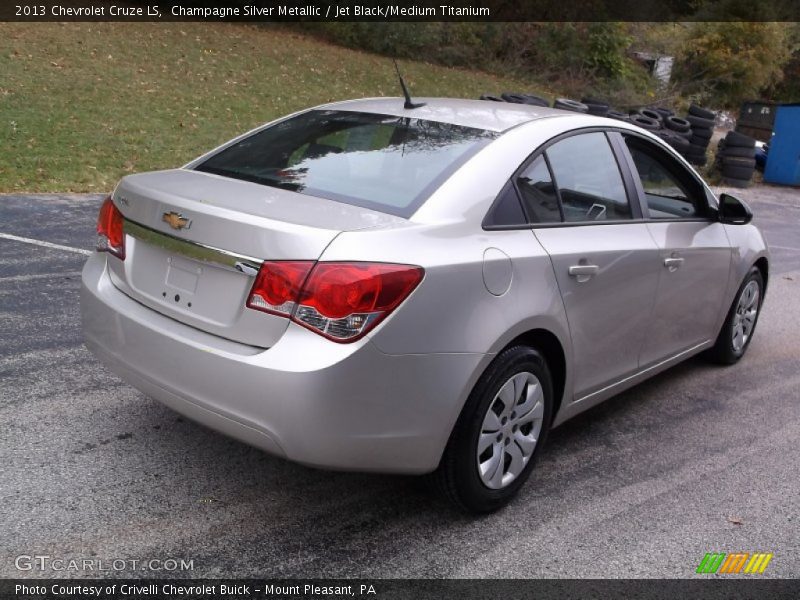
point(741, 562)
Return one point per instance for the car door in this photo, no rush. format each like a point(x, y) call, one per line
point(694, 251)
point(604, 258)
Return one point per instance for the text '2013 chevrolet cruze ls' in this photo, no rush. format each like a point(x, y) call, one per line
point(367, 287)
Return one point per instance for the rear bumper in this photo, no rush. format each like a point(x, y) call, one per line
point(339, 406)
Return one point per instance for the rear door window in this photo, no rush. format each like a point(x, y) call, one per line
point(386, 163)
point(588, 179)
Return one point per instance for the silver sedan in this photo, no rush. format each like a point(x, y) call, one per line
point(365, 286)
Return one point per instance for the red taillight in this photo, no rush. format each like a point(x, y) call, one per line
point(341, 301)
point(278, 285)
point(110, 234)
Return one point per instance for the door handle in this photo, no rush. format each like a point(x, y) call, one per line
point(583, 273)
point(673, 263)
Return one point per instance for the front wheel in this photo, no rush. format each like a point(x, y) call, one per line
point(740, 323)
point(499, 433)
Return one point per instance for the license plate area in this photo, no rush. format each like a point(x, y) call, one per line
point(182, 275)
point(198, 285)
point(195, 289)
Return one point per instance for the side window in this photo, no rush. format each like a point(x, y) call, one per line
point(670, 192)
point(507, 209)
point(588, 179)
point(538, 192)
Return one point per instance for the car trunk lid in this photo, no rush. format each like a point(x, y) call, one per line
point(194, 242)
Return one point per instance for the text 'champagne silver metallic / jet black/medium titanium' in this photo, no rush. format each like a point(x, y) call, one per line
point(367, 287)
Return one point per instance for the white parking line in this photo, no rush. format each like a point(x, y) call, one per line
point(34, 276)
point(24, 240)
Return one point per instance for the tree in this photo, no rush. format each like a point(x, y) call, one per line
point(725, 63)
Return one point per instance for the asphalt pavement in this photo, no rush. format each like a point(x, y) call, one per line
point(699, 459)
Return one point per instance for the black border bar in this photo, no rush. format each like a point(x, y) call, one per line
point(264, 11)
point(696, 588)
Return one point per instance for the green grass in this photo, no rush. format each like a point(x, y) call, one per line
point(82, 104)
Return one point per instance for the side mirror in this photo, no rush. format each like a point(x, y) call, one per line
point(734, 211)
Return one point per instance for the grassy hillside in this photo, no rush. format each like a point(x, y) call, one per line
point(83, 104)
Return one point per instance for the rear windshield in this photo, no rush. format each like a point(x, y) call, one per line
point(386, 163)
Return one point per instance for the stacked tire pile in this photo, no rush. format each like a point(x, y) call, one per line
point(516, 98)
point(702, 123)
point(662, 122)
point(689, 136)
point(736, 159)
point(589, 106)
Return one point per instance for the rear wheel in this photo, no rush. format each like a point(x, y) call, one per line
point(740, 324)
point(499, 433)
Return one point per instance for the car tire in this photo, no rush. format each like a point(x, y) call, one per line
point(734, 172)
point(597, 110)
point(703, 113)
point(674, 139)
point(596, 107)
point(491, 98)
point(697, 149)
point(734, 138)
point(571, 105)
point(651, 114)
point(738, 151)
point(518, 98)
point(460, 475)
point(680, 144)
point(513, 97)
point(645, 122)
point(533, 100)
point(726, 350)
point(700, 122)
point(738, 161)
point(619, 116)
point(677, 124)
point(702, 133)
point(664, 112)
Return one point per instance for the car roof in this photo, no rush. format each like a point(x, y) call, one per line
point(481, 114)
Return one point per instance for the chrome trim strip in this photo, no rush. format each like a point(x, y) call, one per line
point(194, 250)
point(643, 371)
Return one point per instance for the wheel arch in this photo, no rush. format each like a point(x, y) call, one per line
point(552, 350)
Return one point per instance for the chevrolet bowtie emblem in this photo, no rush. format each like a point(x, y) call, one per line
point(176, 220)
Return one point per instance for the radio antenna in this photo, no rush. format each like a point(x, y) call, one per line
point(409, 104)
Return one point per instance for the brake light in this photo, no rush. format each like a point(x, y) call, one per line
point(278, 285)
point(340, 301)
point(110, 233)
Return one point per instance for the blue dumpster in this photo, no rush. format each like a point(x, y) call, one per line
point(783, 158)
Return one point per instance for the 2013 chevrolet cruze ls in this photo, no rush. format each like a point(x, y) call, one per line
point(369, 287)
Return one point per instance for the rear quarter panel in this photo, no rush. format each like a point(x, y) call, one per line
point(452, 310)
